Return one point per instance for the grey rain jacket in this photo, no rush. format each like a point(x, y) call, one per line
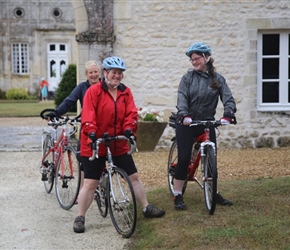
point(78, 93)
point(198, 100)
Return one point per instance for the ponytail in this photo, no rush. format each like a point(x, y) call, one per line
point(212, 73)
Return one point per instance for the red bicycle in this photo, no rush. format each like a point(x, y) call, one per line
point(59, 162)
point(204, 152)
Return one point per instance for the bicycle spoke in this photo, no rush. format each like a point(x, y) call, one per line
point(47, 167)
point(210, 179)
point(171, 164)
point(68, 178)
point(122, 203)
point(100, 197)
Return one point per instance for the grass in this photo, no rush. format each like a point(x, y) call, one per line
point(259, 218)
point(23, 108)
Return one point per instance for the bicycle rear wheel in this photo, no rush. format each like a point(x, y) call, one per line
point(122, 203)
point(101, 197)
point(171, 164)
point(48, 171)
point(210, 179)
point(67, 178)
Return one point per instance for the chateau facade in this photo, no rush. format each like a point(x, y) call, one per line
point(249, 40)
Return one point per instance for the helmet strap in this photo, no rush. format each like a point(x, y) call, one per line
point(206, 60)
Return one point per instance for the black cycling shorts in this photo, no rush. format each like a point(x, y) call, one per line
point(93, 169)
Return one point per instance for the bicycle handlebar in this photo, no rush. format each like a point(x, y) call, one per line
point(56, 122)
point(208, 123)
point(95, 145)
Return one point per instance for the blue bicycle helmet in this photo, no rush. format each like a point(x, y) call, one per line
point(114, 62)
point(198, 47)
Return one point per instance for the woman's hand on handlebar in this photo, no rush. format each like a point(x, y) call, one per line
point(129, 134)
point(187, 120)
point(52, 116)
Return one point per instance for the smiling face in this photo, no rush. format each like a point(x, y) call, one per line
point(114, 76)
point(199, 62)
point(93, 74)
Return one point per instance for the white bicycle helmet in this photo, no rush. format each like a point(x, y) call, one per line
point(114, 62)
point(198, 47)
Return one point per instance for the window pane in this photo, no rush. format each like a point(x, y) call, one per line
point(289, 44)
point(289, 92)
point(52, 69)
point(288, 68)
point(270, 92)
point(15, 55)
point(271, 44)
point(52, 47)
point(62, 67)
point(24, 58)
point(270, 68)
point(62, 47)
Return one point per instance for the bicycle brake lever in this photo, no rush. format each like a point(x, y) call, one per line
point(133, 145)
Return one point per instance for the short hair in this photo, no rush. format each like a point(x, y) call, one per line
point(90, 64)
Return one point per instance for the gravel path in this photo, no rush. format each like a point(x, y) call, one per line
point(30, 218)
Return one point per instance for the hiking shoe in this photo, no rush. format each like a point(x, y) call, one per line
point(79, 224)
point(222, 201)
point(152, 211)
point(179, 203)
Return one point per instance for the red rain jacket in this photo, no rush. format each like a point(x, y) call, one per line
point(102, 114)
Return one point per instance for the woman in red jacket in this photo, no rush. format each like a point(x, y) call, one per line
point(109, 107)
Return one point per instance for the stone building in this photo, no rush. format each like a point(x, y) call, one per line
point(37, 40)
point(249, 40)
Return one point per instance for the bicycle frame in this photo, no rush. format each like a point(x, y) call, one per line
point(58, 145)
point(203, 140)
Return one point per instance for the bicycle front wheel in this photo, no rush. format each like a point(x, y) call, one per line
point(48, 175)
point(122, 203)
point(67, 178)
point(210, 179)
point(171, 164)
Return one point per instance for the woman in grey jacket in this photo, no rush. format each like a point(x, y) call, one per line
point(198, 94)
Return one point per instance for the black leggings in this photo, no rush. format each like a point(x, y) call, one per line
point(185, 136)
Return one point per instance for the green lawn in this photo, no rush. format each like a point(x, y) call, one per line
point(259, 218)
point(23, 108)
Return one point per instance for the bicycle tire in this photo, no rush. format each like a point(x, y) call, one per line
point(67, 178)
point(48, 179)
point(171, 164)
point(122, 203)
point(101, 198)
point(210, 179)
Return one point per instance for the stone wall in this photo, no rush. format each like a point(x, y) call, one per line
point(152, 37)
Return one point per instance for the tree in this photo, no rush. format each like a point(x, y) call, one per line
point(66, 85)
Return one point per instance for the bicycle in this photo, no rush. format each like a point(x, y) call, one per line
point(59, 162)
point(115, 191)
point(203, 152)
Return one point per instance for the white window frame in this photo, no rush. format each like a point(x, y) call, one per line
point(283, 104)
point(20, 58)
